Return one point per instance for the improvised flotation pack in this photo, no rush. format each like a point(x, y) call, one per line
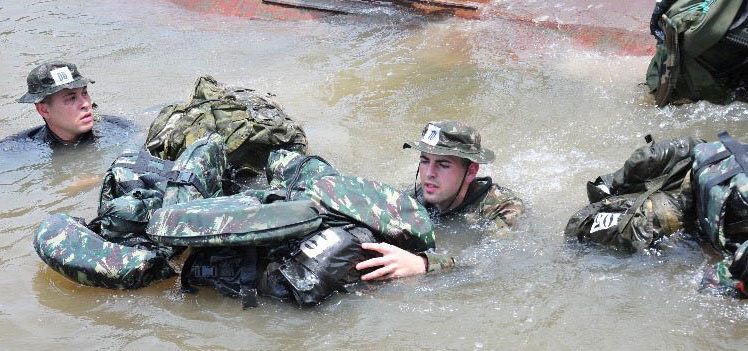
point(641, 202)
point(720, 176)
point(702, 50)
point(251, 125)
point(81, 255)
point(306, 265)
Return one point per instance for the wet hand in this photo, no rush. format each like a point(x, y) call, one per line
point(394, 262)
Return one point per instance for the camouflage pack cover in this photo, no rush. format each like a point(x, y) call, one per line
point(202, 166)
point(659, 216)
point(251, 125)
point(701, 54)
point(721, 191)
point(83, 256)
point(232, 221)
point(137, 184)
point(392, 215)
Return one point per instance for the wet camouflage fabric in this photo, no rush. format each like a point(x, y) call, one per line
point(84, 257)
point(232, 220)
point(396, 217)
point(127, 199)
point(206, 159)
point(129, 196)
point(660, 215)
point(128, 215)
point(712, 222)
point(251, 125)
point(452, 138)
point(499, 205)
point(283, 164)
point(647, 164)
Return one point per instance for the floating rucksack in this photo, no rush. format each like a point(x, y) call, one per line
point(251, 125)
point(137, 184)
point(309, 225)
point(720, 176)
point(112, 251)
point(701, 51)
point(640, 203)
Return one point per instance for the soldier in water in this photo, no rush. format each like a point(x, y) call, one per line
point(451, 155)
point(60, 95)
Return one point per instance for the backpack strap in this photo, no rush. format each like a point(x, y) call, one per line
point(144, 164)
point(187, 178)
point(652, 187)
point(297, 173)
point(733, 148)
point(739, 150)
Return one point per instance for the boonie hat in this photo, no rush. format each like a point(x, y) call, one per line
point(51, 77)
point(452, 138)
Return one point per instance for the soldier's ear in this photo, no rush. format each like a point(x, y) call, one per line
point(473, 169)
point(43, 109)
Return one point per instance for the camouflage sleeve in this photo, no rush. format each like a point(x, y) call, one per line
point(501, 206)
point(436, 261)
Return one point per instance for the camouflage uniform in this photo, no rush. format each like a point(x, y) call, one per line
point(484, 200)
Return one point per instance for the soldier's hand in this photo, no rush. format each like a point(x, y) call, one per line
point(394, 262)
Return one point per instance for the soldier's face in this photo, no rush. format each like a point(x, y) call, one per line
point(441, 178)
point(68, 113)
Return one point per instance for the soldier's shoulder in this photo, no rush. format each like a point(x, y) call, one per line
point(498, 194)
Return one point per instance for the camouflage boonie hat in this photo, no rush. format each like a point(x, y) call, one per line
point(452, 138)
point(51, 77)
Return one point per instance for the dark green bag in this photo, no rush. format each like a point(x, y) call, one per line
point(635, 206)
point(251, 125)
point(703, 52)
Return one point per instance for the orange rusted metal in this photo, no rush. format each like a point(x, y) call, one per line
point(254, 9)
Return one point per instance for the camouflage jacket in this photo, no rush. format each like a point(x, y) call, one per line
point(484, 201)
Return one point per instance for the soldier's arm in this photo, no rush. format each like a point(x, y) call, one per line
point(437, 262)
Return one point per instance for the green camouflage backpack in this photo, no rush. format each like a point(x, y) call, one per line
point(251, 125)
point(113, 251)
point(701, 51)
point(640, 203)
point(720, 176)
point(137, 184)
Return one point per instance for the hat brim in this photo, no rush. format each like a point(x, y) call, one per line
point(30, 98)
point(483, 156)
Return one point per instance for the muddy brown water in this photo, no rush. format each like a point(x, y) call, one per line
point(557, 111)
